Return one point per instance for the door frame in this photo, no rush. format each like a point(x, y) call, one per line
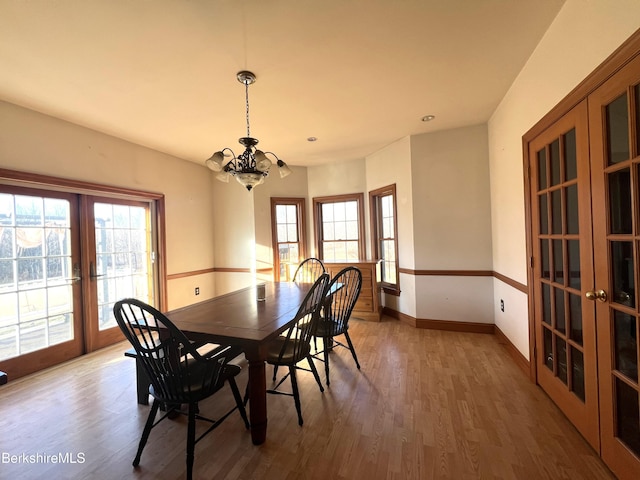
point(618, 59)
point(94, 338)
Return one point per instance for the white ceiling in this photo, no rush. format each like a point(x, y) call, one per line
point(356, 74)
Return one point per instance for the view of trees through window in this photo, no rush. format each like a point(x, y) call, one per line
point(36, 308)
point(122, 256)
point(340, 233)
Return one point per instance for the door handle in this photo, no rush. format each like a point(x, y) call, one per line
point(600, 295)
point(76, 274)
point(92, 271)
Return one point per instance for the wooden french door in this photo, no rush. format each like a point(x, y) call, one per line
point(65, 259)
point(40, 291)
point(584, 182)
point(563, 270)
point(117, 263)
point(614, 123)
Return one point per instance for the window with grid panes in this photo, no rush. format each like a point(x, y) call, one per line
point(287, 217)
point(339, 228)
point(382, 203)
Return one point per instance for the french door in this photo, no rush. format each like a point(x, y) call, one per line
point(585, 229)
point(563, 270)
point(614, 123)
point(40, 292)
point(65, 259)
point(118, 263)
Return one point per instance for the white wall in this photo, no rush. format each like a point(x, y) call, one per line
point(583, 34)
point(36, 143)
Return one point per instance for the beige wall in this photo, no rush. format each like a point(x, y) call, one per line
point(392, 164)
point(32, 142)
point(242, 225)
point(233, 234)
point(583, 34)
point(294, 185)
point(450, 173)
point(452, 223)
point(334, 179)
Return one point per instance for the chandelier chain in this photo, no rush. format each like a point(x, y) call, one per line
point(246, 87)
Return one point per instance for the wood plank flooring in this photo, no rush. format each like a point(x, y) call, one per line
point(427, 404)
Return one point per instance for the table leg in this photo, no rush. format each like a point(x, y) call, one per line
point(257, 398)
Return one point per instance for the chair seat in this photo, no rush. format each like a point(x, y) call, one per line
point(197, 389)
point(293, 353)
point(328, 328)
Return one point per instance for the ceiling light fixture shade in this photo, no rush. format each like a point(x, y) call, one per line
point(251, 166)
point(284, 169)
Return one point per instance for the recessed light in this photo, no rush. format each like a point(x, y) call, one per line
point(428, 118)
point(312, 139)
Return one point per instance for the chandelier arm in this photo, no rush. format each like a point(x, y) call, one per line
point(233, 156)
point(271, 153)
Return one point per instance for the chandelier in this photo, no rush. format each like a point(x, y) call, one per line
point(252, 165)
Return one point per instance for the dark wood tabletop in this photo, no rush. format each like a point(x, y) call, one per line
point(238, 318)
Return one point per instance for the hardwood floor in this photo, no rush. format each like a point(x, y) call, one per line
point(426, 404)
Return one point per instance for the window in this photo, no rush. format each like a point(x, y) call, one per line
point(384, 227)
point(288, 229)
point(339, 227)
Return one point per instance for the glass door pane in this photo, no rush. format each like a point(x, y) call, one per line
point(39, 280)
point(122, 257)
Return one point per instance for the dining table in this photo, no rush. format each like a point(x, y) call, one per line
point(249, 319)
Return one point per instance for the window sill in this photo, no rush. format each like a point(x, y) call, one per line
point(391, 290)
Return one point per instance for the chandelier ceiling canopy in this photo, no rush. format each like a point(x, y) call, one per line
point(251, 166)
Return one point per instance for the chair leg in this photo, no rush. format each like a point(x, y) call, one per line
point(275, 372)
point(353, 350)
point(315, 371)
point(142, 383)
point(296, 393)
point(246, 395)
point(191, 438)
point(326, 342)
point(147, 429)
point(239, 400)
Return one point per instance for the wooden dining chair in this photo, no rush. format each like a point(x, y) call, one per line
point(309, 270)
point(292, 347)
point(178, 373)
point(334, 319)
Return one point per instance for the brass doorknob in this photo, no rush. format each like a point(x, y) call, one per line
point(596, 295)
